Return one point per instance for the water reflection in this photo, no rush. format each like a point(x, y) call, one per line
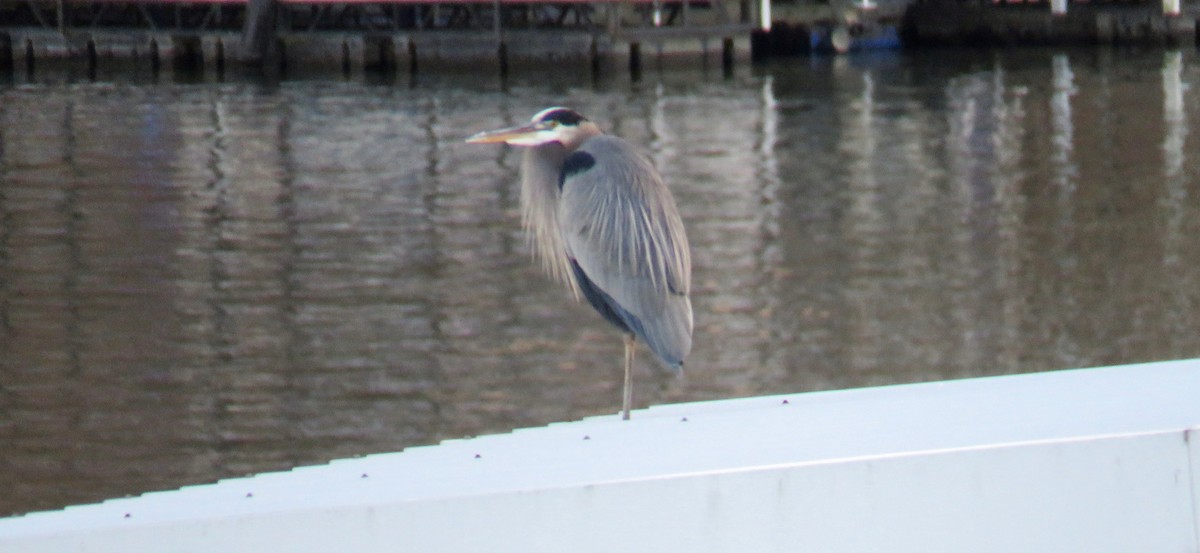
point(205, 280)
point(1178, 221)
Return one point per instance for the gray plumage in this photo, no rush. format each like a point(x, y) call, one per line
point(619, 223)
point(601, 220)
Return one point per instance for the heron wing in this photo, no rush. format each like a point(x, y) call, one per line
point(623, 232)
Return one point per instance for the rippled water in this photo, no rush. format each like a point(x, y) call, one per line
point(207, 279)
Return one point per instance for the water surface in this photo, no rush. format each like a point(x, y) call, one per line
point(207, 279)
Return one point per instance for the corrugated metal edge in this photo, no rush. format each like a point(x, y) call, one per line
point(1192, 437)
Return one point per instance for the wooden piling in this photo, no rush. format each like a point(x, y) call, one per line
point(91, 59)
point(29, 67)
point(155, 63)
point(6, 52)
point(213, 53)
point(635, 60)
point(258, 32)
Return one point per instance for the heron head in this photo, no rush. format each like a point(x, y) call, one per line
point(556, 124)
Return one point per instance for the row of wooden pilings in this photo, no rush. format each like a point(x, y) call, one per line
point(263, 45)
point(355, 53)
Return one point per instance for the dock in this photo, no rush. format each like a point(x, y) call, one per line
point(1097, 460)
point(1012, 23)
point(400, 36)
point(351, 37)
point(841, 26)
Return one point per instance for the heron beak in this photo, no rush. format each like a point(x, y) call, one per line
point(504, 135)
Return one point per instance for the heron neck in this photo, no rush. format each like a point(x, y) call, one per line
point(542, 165)
point(541, 168)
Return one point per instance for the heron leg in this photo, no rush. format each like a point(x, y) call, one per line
point(628, 395)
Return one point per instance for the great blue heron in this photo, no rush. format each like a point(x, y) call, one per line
point(601, 220)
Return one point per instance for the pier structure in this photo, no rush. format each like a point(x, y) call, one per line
point(377, 35)
point(840, 26)
point(1024, 22)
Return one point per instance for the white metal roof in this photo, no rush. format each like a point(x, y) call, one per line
point(770, 473)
